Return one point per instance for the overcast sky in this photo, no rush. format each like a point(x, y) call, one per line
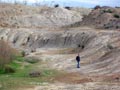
point(82, 3)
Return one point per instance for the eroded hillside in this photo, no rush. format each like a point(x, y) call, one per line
point(37, 17)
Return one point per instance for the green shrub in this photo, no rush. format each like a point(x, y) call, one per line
point(23, 53)
point(116, 16)
point(15, 65)
point(110, 46)
point(19, 58)
point(8, 69)
point(109, 11)
point(2, 71)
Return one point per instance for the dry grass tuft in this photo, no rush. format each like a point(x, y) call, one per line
point(7, 53)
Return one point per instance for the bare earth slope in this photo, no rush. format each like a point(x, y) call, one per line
point(28, 16)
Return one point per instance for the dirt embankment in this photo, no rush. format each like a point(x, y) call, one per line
point(103, 18)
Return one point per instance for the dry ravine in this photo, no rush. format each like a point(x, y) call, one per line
point(39, 33)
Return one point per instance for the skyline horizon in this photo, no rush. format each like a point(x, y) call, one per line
point(70, 3)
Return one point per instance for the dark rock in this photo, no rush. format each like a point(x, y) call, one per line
point(67, 7)
point(35, 74)
point(117, 78)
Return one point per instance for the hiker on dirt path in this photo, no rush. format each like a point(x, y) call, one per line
point(78, 61)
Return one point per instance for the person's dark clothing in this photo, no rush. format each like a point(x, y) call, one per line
point(78, 61)
point(78, 58)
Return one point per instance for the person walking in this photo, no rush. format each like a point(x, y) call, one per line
point(78, 61)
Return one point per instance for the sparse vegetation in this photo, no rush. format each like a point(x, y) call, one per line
point(8, 69)
point(16, 73)
point(116, 16)
point(117, 27)
point(81, 46)
point(109, 46)
point(104, 17)
point(108, 11)
point(22, 77)
point(67, 7)
point(23, 53)
point(12, 66)
point(7, 53)
point(31, 60)
point(57, 5)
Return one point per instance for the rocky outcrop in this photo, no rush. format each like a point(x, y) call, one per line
point(34, 39)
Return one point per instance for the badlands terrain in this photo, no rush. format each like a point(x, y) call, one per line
point(56, 35)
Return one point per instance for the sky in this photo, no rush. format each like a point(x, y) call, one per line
point(76, 3)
